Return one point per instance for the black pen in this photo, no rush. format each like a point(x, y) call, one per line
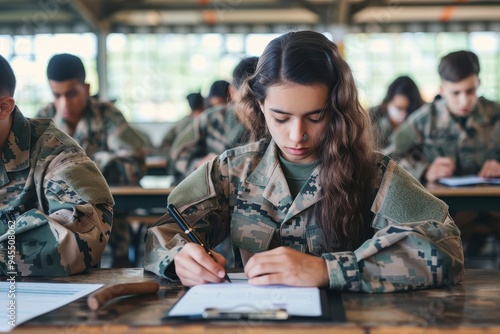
point(190, 232)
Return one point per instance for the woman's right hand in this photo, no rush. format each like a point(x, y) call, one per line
point(194, 266)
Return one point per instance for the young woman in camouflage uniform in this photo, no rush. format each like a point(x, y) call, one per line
point(309, 203)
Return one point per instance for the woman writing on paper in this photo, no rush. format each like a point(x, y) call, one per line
point(309, 203)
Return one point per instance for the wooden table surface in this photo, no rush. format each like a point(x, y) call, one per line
point(473, 306)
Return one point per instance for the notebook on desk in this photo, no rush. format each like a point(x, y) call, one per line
point(241, 301)
point(468, 180)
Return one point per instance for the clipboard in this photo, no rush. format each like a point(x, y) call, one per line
point(332, 310)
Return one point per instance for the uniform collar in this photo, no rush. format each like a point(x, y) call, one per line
point(268, 174)
point(16, 151)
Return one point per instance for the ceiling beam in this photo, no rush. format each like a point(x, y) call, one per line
point(90, 15)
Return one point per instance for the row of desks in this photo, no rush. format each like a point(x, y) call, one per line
point(471, 307)
point(479, 199)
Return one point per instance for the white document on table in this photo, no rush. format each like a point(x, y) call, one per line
point(468, 180)
point(249, 298)
point(34, 299)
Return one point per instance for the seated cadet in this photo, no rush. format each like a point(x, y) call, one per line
point(215, 131)
point(219, 93)
point(458, 134)
point(100, 129)
point(310, 203)
point(400, 101)
point(197, 106)
point(55, 206)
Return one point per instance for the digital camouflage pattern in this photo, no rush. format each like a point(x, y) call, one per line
point(244, 193)
point(58, 199)
point(432, 131)
point(174, 131)
point(214, 131)
point(382, 126)
point(108, 140)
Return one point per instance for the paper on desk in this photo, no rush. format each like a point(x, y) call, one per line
point(467, 180)
point(249, 298)
point(156, 181)
point(34, 299)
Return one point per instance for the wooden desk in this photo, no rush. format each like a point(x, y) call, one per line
point(478, 198)
point(471, 307)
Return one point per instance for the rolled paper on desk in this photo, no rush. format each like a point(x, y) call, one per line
point(109, 292)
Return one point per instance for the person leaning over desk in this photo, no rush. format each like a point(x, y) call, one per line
point(309, 203)
point(55, 206)
point(456, 135)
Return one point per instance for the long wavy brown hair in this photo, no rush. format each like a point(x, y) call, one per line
point(347, 160)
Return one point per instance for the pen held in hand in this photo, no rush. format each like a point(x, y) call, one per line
point(190, 232)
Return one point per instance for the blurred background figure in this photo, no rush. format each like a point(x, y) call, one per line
point(456, 135)
point(218, 129)
point(219, 93)
point(103, 133)
point(197, 106)
point(402, 99)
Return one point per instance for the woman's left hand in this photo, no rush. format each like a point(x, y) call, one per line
point(284, 265)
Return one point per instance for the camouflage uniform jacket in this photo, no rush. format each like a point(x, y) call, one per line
point(108, 139)
point(55, 206)
point(214, 131)
point(382, 126)
point(244, 193)
point(174, 131)
point(432, 131)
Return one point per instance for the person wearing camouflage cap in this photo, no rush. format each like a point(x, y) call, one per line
point(55, 206)
point(456, 135)
point(101, 130)
point(309, 203)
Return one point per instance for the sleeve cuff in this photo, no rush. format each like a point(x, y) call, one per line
point(343, 271)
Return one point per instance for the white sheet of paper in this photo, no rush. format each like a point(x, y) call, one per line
point(34, 299)
point(457, 181)
point(248, 298)
point(156, 181)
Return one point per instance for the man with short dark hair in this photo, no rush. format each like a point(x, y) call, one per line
point(219, 93)
point(99, 127)
point(101, 130)
point(456, 135)
point(55, 206)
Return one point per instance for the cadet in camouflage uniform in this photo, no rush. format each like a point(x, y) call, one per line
point(197, 105)
point(309, 204)
point(55, 206)
point(100, 129)
point(400, 101)
point(216, 130)
point(456, 135)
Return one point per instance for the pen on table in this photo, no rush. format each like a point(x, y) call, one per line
point(190, 232)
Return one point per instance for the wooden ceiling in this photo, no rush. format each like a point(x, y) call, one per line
point(161, 16)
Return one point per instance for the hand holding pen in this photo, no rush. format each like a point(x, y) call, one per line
point(183, 264)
